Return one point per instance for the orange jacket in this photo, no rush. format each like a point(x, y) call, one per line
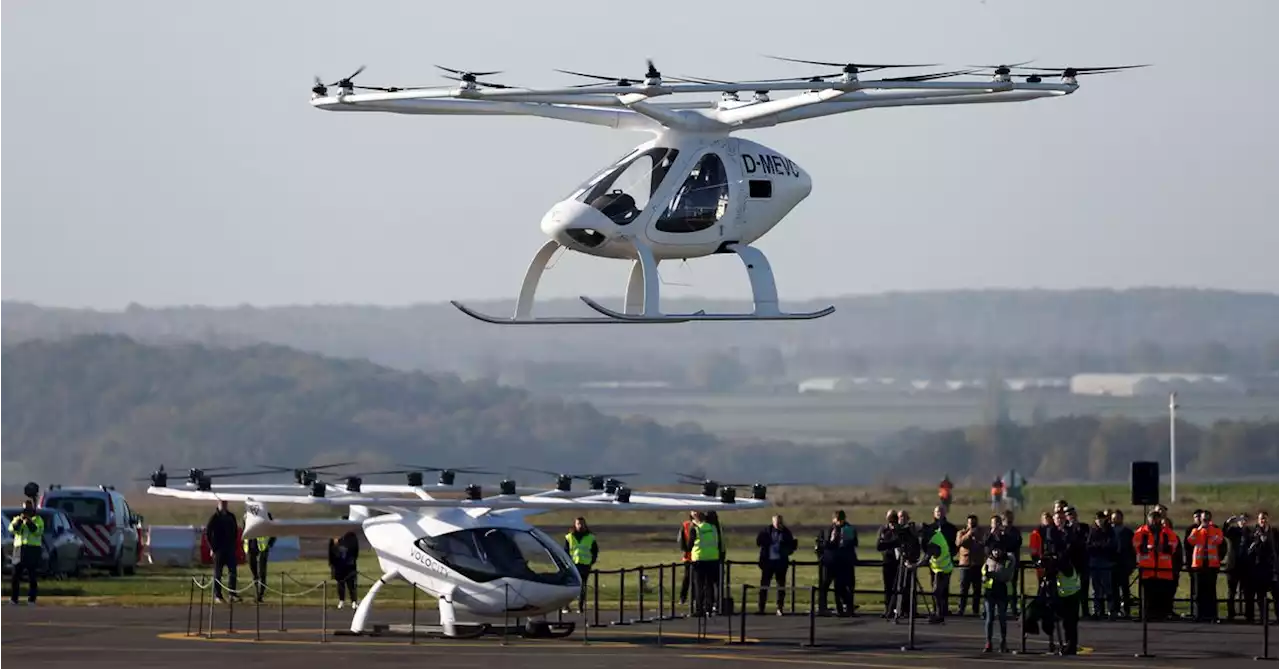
point(1155, 552)
point(1206, 543)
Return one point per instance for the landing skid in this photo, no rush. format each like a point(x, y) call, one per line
point(641, 304)
point(703, 316)
point(560, 320)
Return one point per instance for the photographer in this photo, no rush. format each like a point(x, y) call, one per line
point(1102, 560)
point(27, 529)
point(838, 554)
point(890, 547)
point(997, 589)
point(970, 558)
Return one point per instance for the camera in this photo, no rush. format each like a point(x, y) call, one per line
point(819, 544)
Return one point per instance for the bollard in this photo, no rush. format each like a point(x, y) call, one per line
point(742, 617)
point(413, 618)
point(911, 617)
point(324, 610)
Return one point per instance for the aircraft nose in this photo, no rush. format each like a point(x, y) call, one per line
point(577, 224)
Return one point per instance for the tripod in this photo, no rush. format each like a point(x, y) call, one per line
point(898, 605)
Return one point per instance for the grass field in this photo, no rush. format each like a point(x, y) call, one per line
point(629, 540)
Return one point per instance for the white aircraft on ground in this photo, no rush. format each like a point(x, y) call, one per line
point(693, 190)
point(477, 555)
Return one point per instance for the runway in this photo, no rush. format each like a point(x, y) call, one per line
point(106, 637)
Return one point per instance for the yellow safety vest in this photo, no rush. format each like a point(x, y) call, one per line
point(262, 544)
point(1068, 585)
point(580, 549)
point(941, 563)
point(987, 580)
point(22, 535)
point(706, 546)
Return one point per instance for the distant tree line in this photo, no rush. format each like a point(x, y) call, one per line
point(951, 334)
point(99, 408)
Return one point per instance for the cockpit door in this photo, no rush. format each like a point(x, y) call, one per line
point(703, 207)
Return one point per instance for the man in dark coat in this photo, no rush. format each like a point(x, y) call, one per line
point(221, 532)
point(889, 543)
point(776, 545)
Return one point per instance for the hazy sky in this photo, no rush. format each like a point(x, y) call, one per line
point(166, 153)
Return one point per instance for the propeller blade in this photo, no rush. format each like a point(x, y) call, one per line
point(996, 67)
point(477, 81)
point(1083, 70)
point(462, 73)
point(861, 67)
point(929, 77)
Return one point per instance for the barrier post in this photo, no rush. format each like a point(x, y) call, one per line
point(200, 609)
point(742, 617)
point(191, 602)
point(640, 595)
point(911, 615)
point(662, 594)
point(231, 612)
point(1022, 622)
point(813, 617)
point(281, 601)
point(506, 606)
point(211, 599)
point(622, 597)
point(595, 597)
point(586, 641)
point(257, 619)
point(324, 610)
point(413, 618)
point(1142, 611)
point(1266, 630)
point(791, 576)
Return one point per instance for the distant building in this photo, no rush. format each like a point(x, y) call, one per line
point(1156, 385)
point(863, 384)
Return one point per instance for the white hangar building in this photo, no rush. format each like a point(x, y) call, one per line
point(1154, 385)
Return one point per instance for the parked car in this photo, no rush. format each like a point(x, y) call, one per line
point(62, 550)
point(110, 530)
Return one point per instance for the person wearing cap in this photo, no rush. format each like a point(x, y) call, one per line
point(1078, 552)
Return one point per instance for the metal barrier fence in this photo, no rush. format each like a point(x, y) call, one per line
point(674, 574)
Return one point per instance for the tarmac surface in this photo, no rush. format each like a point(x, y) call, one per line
point(133, 637)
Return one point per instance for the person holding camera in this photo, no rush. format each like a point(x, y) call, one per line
point(27, 529)
point(997, 579)
point(970, 556)
point(890, 546)
point(839, 552)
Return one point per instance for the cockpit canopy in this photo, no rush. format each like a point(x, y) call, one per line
point(623, 190)
point(486, 554)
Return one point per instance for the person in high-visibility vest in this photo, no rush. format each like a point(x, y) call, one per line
point(255, 553)
point(1206, 560)
point(1155, 545)
point(582, 548)
point(998, 578)
point(940, 564)
point(1069, 607)
point(705, 556)
point(27, 529)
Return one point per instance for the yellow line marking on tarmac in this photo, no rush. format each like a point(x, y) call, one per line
point(788, 660)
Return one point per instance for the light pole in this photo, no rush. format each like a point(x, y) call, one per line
point(1173, 447)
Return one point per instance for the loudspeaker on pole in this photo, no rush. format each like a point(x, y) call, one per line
point(1144, 483)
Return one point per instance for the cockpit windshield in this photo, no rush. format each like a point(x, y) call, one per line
point(624, 191)
point(491, 553)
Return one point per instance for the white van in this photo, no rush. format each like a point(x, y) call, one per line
point(111, 531)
